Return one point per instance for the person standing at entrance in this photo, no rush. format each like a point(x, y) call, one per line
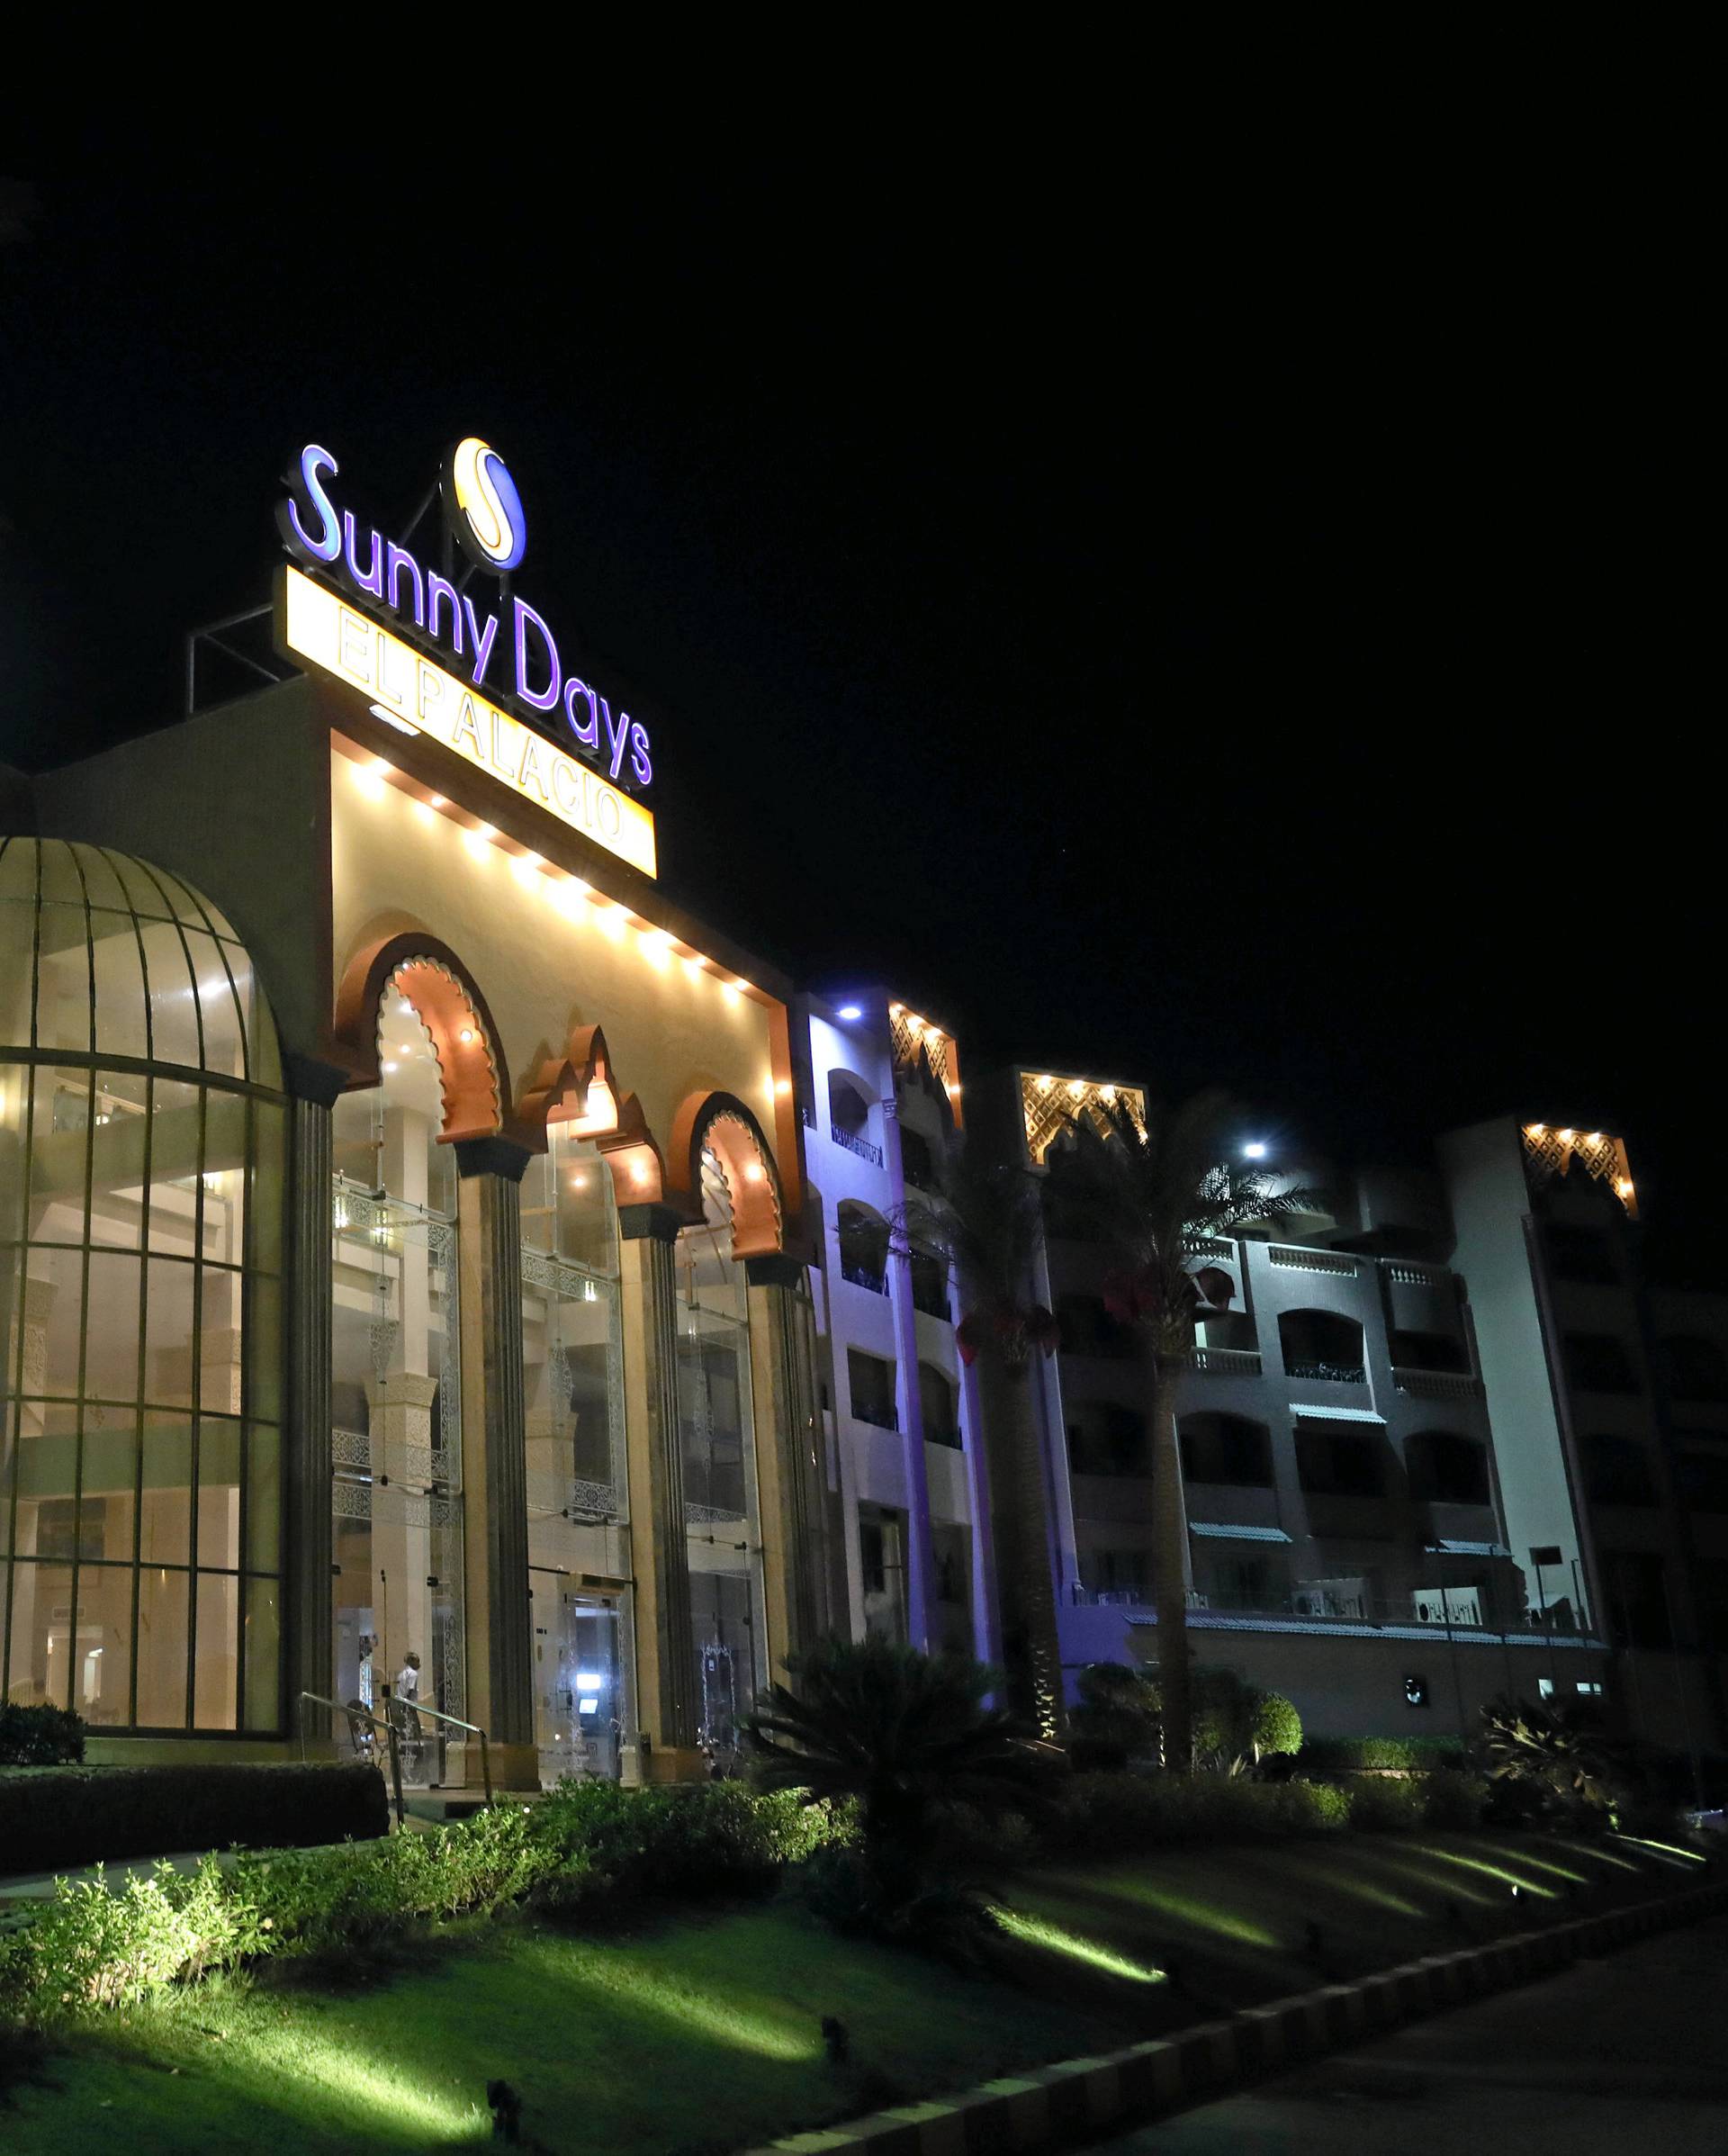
point(406, 1713)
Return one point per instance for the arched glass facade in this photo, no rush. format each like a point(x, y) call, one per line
point(721, 1519)
point(578, 1481)
point(141, 1178)
point(396, 1392)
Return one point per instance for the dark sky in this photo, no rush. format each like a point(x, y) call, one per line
point(1218, 615)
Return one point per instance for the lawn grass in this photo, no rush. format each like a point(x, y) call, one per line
point(703, 2032)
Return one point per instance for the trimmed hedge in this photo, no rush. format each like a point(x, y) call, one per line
point(589, 1844)
point(53, 1818)
point(39, 1736)
point(1360, 1755)
point(1117, 1813)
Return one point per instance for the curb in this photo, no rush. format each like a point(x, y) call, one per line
point(1068, 2102)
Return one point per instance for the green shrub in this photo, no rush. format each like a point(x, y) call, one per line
point(39, 1736)
point(1453, 1798)
point(587, 1844)
point(1356, 1755)
point(56, 1817)
point(1119, 1813)
point(1386, 1803)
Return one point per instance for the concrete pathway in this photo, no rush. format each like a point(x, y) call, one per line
point(1625, 2053)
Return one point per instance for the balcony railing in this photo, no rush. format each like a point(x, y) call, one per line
point(877, 1414)
point(860, 1276)
point(1435, 1384)
point(860, 1146)
point(1303, 1260)
point(1329, 1373)
point(1226, 1362)
point(1321, 1602)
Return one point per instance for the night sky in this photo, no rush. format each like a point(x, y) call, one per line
point(1189, 618)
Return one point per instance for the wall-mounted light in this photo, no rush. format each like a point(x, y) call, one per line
point(1254, 1152)
point(850, 1012)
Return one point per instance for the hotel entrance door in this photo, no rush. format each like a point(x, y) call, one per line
point(579, 1718)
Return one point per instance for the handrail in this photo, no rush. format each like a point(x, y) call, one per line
point(456, 1722)
point(365, 1715)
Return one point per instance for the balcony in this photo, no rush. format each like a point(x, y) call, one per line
point(1435, 1384)
point(863, 1276)
point(1327, 1373)
point(933, 1301)
point(1225, 1362)
point(880, 1414)
point(862, 1147)
point(950, 1438)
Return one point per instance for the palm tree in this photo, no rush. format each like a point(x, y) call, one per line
point(985, 1221)
point(1154, 1193)
point(898, 1731)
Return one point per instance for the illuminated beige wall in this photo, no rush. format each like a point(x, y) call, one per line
point(542, 965)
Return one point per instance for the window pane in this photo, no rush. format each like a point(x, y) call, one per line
point(39, 1670)
point(102, 1673)
point(108, 1481)
point(218, 1491)
point(110, 1350)
point(165, 1528)
point(123, 1008)
point(63, 978)
point(120, 1125)
point(174, 1017)
point(216, 1686)
point(269, 1187)
point(57, 1142)
point(218, 1340)
point(14, 1085)
point(224, 1174)
point(164, 1616)
point(176, 1126)
point(167, 1359)
point(53, 1322)
point(216, 1006)
point(264, 1500)
point(263, 1655)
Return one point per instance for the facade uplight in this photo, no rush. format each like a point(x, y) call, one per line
point(850, 1012)
point(1255, 1151)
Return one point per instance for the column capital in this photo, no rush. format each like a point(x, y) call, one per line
point(491, 1156)
point(649, 1223)
point(773, 1269)
point(306, 1078)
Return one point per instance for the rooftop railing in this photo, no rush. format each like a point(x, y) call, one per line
point(1301, 1259)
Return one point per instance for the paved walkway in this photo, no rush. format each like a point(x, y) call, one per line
point(1626, 2052)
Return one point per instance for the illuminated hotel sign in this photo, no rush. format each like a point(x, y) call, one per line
point(414, 694)
point(573, 758)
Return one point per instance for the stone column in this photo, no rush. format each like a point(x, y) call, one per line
point(920, 1558)
point(498, 1614)
point(307, 1549)
point(660, 1555)
point(790, 1480)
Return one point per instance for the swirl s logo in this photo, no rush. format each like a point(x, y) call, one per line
point(483, 507)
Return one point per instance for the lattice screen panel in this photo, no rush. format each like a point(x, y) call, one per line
point(1050, 1104)
point(1554, 1153)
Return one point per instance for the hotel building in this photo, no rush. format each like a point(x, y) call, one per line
point(441, 1280)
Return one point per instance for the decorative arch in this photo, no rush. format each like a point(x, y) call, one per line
point(581, 1093)
point(720, 1122)
point(450, 1006)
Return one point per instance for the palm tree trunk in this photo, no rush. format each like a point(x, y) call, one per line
point(1032, 1649)
point(1170, 1566)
